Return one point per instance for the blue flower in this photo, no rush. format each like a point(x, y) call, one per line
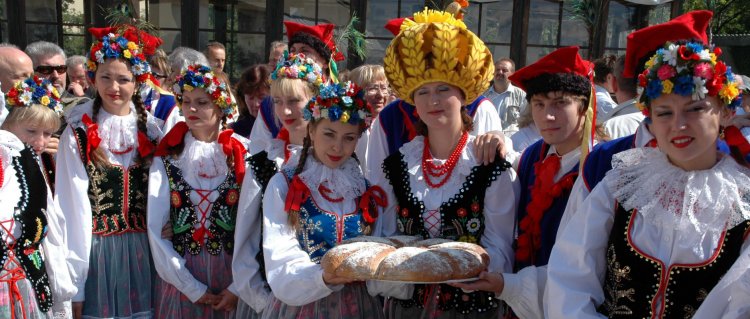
point(354, 119)
point(653, 89)
point(306, 114)
point(736, 103)
point(729, 73)
point(110, 52)
point(39, 92)
point(695, 47)
point(683, 85)
point(122, 42)
point(334, 113)
point(347, 100)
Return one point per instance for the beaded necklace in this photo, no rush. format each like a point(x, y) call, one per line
point(445, 170)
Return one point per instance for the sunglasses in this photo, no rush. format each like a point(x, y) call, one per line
point(48, 69)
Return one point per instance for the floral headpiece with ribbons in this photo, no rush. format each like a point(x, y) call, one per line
point(298, 66)
point(201, 76)
point(688, 69)
point(343, 102)
point(34, 90)
point(113, 46)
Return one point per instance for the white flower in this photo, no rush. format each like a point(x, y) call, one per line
point(99, 57)
point(361, 114)
point(209, 76)
point(25, 97)
point(24, 85)
point(670, 55)
point(700, 88)
point(324, 113)
point(211, 88)
point(473, 224)
point(705, 55)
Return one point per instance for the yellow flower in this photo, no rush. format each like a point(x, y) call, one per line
point(44, 100)
point(345, 117)
point(667, 86)
point(132, 46)
point(729, 92)
point(91, 65)
point(650, 62)
point(188, 88)
point(432, 16)
point(302, 68)
point(640, 106)
point(126, 54)
point(713, 58)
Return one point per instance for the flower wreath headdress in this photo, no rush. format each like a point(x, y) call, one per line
point(201, 76)
point(112, 46)
point(343, 102)
point(34, 90)
point(298, 66)
point(688, 69)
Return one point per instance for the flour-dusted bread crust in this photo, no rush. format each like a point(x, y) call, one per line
point(405, 258)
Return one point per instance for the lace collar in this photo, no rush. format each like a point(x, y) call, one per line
point(202, 159)
point(412, 152)
point(10, 146)
point(275, 151)
point(345, 181)
point(668, 196)
point(75, 114)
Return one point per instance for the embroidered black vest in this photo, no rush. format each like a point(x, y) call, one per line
point(632, 284)
point(222, 218)
point(117, 195)
point(461, 220)
point(263, 169)
point(48, 167)
point(30, 216)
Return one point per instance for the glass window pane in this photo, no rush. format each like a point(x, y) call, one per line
point(74, 45)
point(471, 18)
point(4, 33)
point(618, 24)
point(38, 32)
point(3, 11)
point(301, 11)
point(660, 14)
point(333, 11)
point(408, 7)
point(206, 15)
point(535, 53)
point(245, 51)
point(376, 51)
point(73, 29)
point(251, 16)
point(574, 31)
point(41, 11)
point(72, 12)
point(172, 39)
point(499, 51)
point(165, 13)
point(497, 19)
point(378, 14)
point(543, 26)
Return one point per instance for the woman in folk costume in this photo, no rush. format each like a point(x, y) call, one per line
point(294, 82)
point(194, 186)
point(558, 89)
point(436, 186)
point(34, 277)
point(311, 207)
point(102, 176)
point(657, 234)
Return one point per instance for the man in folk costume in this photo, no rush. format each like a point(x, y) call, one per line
point(396, 122)
point(559, 91)
point(315, 42)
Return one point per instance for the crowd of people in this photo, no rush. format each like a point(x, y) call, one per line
point(147, 185)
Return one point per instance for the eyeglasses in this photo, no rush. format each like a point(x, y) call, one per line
point(48, 69)
point(372, 90)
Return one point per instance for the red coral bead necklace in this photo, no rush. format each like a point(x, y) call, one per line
point(431, 170)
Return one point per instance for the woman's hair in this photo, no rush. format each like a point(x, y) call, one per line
point(99, 158)
point(252, 80)
point(160, 61)
point(35, 114)
point(365, 75)
point(291, 87)
point(306, 146)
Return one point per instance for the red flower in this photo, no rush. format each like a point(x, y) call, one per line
point(176, 199)
point(714, 85)
point(717, 51)
point(404, 212)
point(232, 197)
point(475, 207)
point(461, 212)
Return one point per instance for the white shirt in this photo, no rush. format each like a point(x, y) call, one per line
point(525, 137)
point(604, 103)
point(578, 262)
point(508, 105)
point(623, 120)
point(72, 180)
point(485, 120)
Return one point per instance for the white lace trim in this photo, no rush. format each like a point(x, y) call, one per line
point(702, 201)
point(10, 146)
point(345, 181)
point(275, 152)
point(412, 152)
point(202, 160)
point(75, 114)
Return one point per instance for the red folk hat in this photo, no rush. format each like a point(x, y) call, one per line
point(691, 25)
point(324, 32)
point(562, 60)
point(394, 25)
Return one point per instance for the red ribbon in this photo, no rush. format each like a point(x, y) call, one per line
point(233, 147)
point(175, 137)
point(298, 193)
point(92, 135)
point(284, 136)
point(145, 146)
point(373, 194)
point(734, 137)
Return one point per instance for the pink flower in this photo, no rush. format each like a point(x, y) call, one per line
point(704, 70)
point(666, 72)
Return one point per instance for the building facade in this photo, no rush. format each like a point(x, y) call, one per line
point(523, 30)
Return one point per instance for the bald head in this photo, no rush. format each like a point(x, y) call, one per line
point(15, 66)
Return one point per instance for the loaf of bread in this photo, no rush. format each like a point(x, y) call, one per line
point(405, 258)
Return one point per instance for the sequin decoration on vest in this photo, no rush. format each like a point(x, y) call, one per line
point(117, 194)
point(185, 214)
point(21, 257)
point(637, 285)
point(461, 219)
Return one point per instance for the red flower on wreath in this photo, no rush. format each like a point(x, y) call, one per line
point(461, 212)
point(175, 199)
point(404, 212)
point(475, 207)
point(232, 197)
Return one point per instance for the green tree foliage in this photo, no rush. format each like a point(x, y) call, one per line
point(730, 16)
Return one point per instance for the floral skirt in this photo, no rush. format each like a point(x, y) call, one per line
point(213, 271)
point(121, 275)
point(20, 302)
point(351, 302)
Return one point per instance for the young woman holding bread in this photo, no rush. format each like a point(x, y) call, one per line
point(293, 83)
point(311, 207)
point(436, 186)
